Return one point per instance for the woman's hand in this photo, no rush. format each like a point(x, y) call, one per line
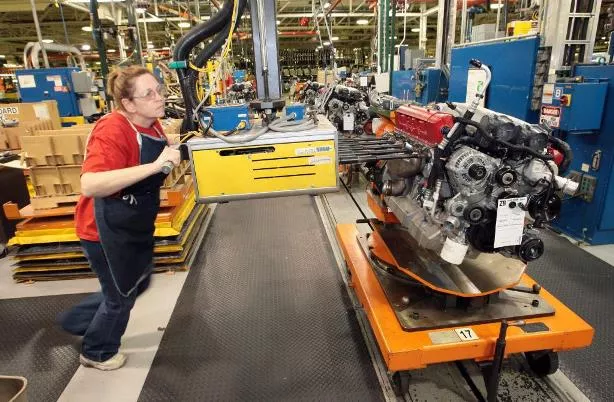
point(168, 155)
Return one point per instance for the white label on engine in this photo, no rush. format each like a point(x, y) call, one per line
point(510, 222)
point(313, 150)
point(320, 160)
point(348, 122)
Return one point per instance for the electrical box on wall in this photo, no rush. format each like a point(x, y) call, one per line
point(575, 107)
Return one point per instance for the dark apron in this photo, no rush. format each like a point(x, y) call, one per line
point(126, 223)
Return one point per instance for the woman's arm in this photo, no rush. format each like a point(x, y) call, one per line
point(103, 184)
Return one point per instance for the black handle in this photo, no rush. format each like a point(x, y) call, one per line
point(475, 63)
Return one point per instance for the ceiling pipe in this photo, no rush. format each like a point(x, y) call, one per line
point(35, 48)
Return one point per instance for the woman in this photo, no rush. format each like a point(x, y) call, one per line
point(115, 216)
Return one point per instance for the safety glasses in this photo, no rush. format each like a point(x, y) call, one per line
point(150, 94)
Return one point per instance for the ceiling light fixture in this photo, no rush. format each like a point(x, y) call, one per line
point(362, 22)
point(85, 47)
point(415, 29)
point(111, 50)
point(184, 25)
point(86, 28)
point(334, 38)
point(47, 40)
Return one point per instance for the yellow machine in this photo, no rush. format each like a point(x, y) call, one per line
point(517, 28)
point(275, 164)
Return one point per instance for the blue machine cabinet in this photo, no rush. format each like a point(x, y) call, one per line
point(228, 117)
point(579, 105)
point(513, 66)
point(589, 216)
point(403, 85)
point(433, 83)
point(38, 85)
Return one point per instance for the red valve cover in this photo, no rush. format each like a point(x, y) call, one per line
point(422, 124)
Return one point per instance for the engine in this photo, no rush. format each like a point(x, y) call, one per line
point(469, 192)
point(347, 108)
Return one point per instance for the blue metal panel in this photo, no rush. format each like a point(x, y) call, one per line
point(585, 110)
point(46, 87)
point(239, 75)
point(433, 81)
point(403, 85)
point(226, 118)
point(435, 87)
point(513, 70)
point(594, 221)
point(297, 108)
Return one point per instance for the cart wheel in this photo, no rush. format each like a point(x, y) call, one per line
point(543, 362)
point(400, 382)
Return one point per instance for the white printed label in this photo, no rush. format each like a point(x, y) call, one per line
point(476, 78)
point(558, 93)
point(320, 160)
point(348, 122)
point(466, 334)
point(56, 79)
point(26, 81)
point(547, 93)
point(510, 222)
point(242, 115)
point(551, 116)
point(41, 111)
point(313, 150)
point(364, 81)
point(585, 167)
point(9, 110)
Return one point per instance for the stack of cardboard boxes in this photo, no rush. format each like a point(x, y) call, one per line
point(54, 158)
point(22, 119)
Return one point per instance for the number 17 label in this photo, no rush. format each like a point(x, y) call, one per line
point(466, 334)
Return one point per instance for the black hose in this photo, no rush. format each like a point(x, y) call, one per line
point(188, 78)
point(188, 42)
point(485, 134)
point(202, 31)
point(209, 50)
point(564, 147)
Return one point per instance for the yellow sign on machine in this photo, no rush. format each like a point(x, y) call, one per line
point(275, 164)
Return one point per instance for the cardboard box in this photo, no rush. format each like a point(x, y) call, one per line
point(38, 150)
point(46, 181)
point(54, 150)
point(56, 180)
point(69, 149)
point(71, 179)
point(3, 143)
point(24, 112)
point(54, 114)
point(80, 129)
point(14, 134)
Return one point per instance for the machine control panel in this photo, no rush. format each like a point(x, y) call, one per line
point(575, 107)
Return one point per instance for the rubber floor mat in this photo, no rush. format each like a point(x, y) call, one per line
point(263, 315)
point(586, 285)
point(33, 346)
